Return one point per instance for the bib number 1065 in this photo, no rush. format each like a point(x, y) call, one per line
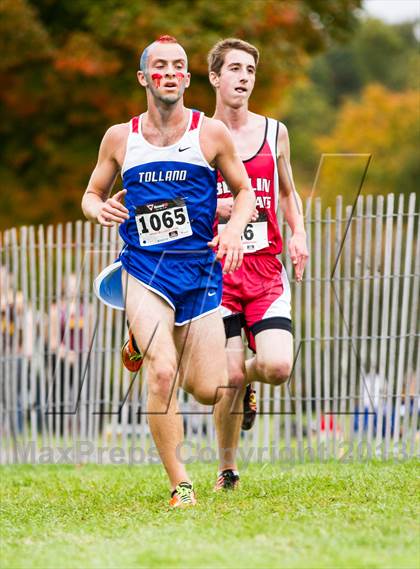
point(155, 221)
point(161, 222)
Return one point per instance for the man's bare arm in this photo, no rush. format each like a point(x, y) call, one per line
point(291, 205)
point(233, 171)
point(236, 177)
point(96, 203)
point(290, 202)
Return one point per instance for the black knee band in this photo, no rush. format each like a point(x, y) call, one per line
point(273, 323)
point(233, 325)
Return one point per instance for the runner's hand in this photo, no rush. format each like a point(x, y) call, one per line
point(298, 253)
point(255, 215)
point(230, 245)
point(224, 207)
point(112, 210)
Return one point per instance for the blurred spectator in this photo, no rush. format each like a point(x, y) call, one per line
point(67, 338)
point(375, 388)
point(17, 343)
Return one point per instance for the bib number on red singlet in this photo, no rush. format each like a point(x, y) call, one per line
point(163, 221)
point(255, 235)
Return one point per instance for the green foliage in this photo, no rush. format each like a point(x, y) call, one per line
point(308, 115)
point(69, 68)
point(384, 124)
point(312, 516)
point(377, 53)
point(70, 71)
point(23, 39)
point(339, 110)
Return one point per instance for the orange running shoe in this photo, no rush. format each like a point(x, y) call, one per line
point(250, 408)
point(183, 496)
point(131, 356)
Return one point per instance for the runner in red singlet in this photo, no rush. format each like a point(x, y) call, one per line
point(257, 295)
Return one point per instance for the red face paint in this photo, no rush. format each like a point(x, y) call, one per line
point(157, 78)
point(180, 76)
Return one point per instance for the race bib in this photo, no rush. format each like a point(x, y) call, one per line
point(163, 221)
point(255, 235)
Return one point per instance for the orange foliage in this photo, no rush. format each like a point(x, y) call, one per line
point(82, 55)
point(382, 123)
point(70, 73)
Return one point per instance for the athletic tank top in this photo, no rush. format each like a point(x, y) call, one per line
point(263, 236)
point(171, 192)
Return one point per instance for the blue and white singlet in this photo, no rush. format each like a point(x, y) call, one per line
point(171, 198)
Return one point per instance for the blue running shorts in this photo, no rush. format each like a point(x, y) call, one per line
point(190, 282)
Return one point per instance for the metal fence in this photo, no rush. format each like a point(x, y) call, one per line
point(353, 392)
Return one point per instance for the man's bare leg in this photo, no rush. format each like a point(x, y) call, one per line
point(274, 357)
point(272, 364)
point(201, 346)
point(228, 412)
point(152, 321)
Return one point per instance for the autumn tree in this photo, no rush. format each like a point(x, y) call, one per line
point(68, 72)
point(377, 53)
point(384, 124)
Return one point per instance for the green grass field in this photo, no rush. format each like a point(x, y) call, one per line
point(314, 515)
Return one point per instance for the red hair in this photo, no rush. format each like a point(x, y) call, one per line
point(167, 39)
